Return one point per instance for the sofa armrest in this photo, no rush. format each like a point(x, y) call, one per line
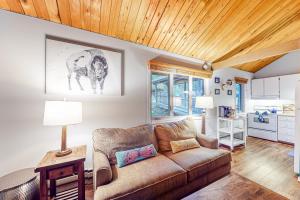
point(208, 142)
point(102, 173)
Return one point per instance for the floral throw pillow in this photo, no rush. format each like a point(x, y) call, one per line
point(133, 155)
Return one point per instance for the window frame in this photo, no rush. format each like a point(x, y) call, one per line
point(171, 95)
point(241, 99)
point(169, 91)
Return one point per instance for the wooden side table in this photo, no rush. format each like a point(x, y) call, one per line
point(53, 168)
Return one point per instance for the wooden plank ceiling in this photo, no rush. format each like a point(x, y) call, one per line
point(210, 30)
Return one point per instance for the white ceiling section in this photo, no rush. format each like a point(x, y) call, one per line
point(288, 64)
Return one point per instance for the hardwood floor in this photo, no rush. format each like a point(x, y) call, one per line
point(264, 162)
point(226, 189)
point(267, 163)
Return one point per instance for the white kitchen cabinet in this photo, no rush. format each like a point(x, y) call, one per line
point(257, 88)
point(280, 87)
point(271, 87)
point(286, 129)
point(288, 86)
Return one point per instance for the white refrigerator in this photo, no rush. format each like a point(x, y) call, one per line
point(297, 131)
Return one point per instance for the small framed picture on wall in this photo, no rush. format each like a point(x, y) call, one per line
point(217, 91)
point(217, 80)
point(229, 92)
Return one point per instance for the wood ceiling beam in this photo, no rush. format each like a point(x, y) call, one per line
point(261, 54)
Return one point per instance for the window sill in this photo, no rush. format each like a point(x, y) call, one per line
point(157, 120)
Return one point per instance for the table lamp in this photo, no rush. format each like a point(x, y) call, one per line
point(205, 102)
point(62, 113)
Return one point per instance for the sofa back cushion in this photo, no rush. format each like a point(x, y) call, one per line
point(172, 131)
point(111, 140)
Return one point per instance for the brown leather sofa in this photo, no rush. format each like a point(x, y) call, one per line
point(165, 176)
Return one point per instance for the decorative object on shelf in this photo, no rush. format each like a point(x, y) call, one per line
point(74, 67)
point(217, 80)
point(205, 102)
point(217, 91)
point(229, 92)
point(22, 184)
point(232, 113)
point(224, 111)
point(62, 113)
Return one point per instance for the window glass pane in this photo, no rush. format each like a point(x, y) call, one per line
point(238, 97)
point(160, 95)
point(181, 95)
point(198, 90)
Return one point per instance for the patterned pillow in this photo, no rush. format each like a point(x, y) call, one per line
point(133, 155)
point(111, 140)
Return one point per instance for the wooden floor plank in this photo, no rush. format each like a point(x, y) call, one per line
point(267, 163)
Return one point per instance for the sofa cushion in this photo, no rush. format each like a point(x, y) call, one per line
point(134, 155)
point(182, 145)
point(111, 140)
point(172, 131)
point(200, 161)
point(146, 179)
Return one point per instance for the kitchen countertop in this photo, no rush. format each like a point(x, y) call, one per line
point(288, 114)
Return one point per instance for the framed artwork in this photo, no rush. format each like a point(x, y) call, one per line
point(229, 92)
point(217, 80)
point(217, 91)
point(79, 68)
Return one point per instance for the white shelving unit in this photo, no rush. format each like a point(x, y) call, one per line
point(232, 132)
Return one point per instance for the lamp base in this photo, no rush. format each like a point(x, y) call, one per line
point(63, 153)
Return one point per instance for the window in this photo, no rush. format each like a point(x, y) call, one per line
point(239, 97)
point(160, 95)
point(181, 95)
point(182, 90)
point(198, 90)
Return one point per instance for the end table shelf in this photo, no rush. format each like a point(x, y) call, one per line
point(232, 132)
point(53, 168)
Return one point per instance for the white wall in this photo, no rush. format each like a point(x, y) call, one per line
point(223, 99)
point(288, 64)
point(229, 73)
point(23, 138)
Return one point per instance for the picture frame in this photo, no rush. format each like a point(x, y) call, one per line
point(229, 92)
point(217, 91)
point(80, 68)
point(217, 80)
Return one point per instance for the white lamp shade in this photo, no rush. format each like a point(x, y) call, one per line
point(60, 113)
point(204, 102)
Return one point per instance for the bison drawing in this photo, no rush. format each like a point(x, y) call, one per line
point(90, 64)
